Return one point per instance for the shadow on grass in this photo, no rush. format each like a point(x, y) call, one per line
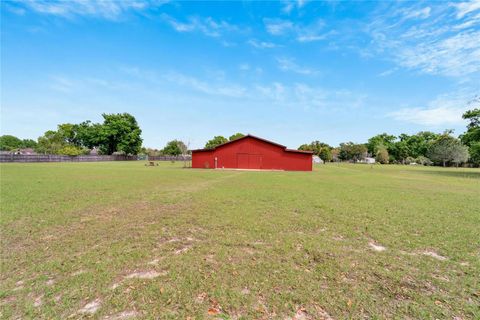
point(456, 173)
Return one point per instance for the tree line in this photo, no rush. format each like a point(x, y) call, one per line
point(118, 134)
point(425, 147)
point(121, 134)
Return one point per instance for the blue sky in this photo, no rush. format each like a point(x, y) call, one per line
point(290, 71)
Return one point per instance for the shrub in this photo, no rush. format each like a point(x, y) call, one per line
point(382, 156)
point(424, 161)
point(409, 160)
point(71, 151)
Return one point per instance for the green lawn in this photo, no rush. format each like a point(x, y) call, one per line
point(118, 240)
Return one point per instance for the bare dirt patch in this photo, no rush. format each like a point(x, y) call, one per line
point(91, 307)
point(115, 285)
point(122, 315)
point(38, 301)
point(154, 262)
point(79, 272)
point(376, 247)
point(434, 255)
point(18, 285)
point(303, 314)
point(201, 298)
point(145, 274)
point(50, 282)
point(245, 291)
point(182, 250)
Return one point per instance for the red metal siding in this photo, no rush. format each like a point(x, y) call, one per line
point(252, 153)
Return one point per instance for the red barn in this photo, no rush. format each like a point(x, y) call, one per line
point(250, 152)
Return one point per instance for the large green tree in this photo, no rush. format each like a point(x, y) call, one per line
point(419, 144)
point(216, 141)
point(474, 151)
point(326, 154)
point(50, 143)
point(120, 133)
point(352, 151)
point(473, 128)
point(88, 134)
point(9, 142)
point(471, 137)
point(447, 149)
point(400, 151)
point(380, 141)
point(321, 149)
point(174, 148)
point(29, 143)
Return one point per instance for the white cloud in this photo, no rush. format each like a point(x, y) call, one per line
point(261, 44)
point(290, 5)
point(444, 110)
point(208, 26)
point(302, 33)
point(278, 27)
point(108, 9)
point(288, 64)
point(229, 90)
point(387, 72)
point(421, 13)
point(439, 44)
point(310, 37)
point(464, 8)
point(439, 116)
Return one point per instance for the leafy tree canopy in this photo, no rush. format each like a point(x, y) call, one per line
point(8, 142)
point(473, 128)
point(318, 148)
point(379, 141)
point(236, 136)
point(216, 141)
point(382, 155)
point(174, 148)
point(120, 133)
point(352, 151)
point(447, 149)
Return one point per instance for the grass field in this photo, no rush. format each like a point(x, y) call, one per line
point(120, 240)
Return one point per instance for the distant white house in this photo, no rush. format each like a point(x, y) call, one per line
point(369, 160)
point(316, 159)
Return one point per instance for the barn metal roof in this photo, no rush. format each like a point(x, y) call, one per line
point(257, 138)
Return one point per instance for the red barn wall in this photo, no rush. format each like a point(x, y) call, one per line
point(251, 153)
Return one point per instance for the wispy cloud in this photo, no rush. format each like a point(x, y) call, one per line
point(445, 110)
point(62, 84)
point(108, 9)
point(278, 27)
point(208, 26)
point(420, 13)
point(387, 72)
point(289, 64)
point(289, 5)
point(464, 8)
point(302, 33)
point(439, 44)
point(222, 89)
point(261, 44)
